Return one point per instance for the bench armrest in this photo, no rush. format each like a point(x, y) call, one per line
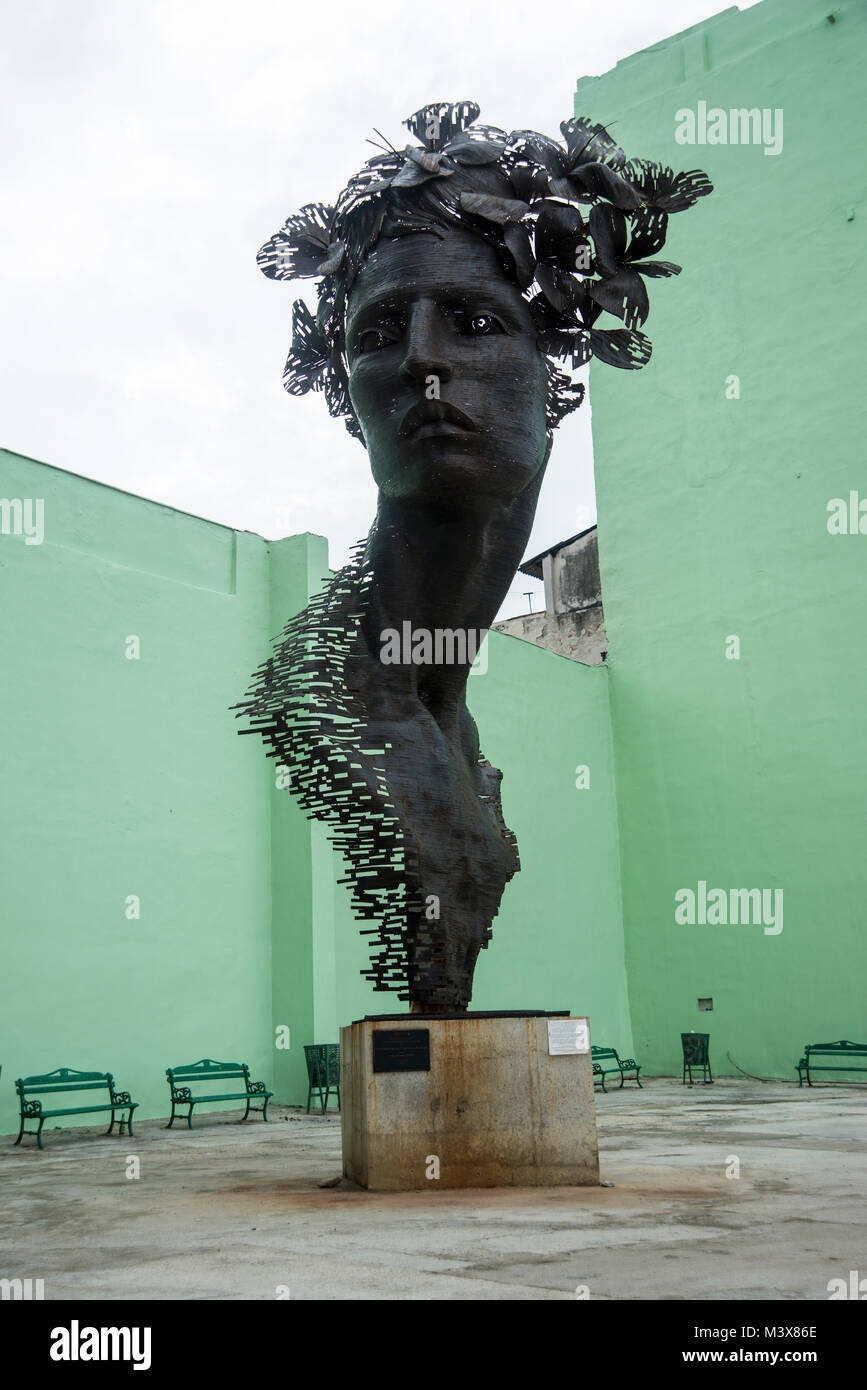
point(181, 1093)
point(629, 1064)
point(31, 1107)
point(121, 1098)
point(256, 1086)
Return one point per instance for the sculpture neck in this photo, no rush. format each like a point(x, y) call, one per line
point(445, 567)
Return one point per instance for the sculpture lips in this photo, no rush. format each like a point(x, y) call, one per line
point(430, 412)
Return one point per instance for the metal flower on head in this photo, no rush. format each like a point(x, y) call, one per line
point(574, 225)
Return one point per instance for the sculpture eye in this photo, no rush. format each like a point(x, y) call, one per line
point(478, 325)
point(372, 339)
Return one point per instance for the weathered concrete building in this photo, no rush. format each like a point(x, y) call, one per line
point(573, 623)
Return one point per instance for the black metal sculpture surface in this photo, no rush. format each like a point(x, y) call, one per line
point(454, 276)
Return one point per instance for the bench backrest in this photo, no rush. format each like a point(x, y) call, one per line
point(696, 1048)
point(604, 1052)
point(836, 1049)
point(208, 1070)
point(64, 1079)
point(323, 1063)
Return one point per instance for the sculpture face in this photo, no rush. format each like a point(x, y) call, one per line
point(430, 316)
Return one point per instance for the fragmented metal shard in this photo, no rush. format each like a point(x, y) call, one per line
point(309, 703)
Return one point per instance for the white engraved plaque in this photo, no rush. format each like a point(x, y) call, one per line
point(567, 1036)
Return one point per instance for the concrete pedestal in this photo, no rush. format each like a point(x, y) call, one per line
point(496, 1109)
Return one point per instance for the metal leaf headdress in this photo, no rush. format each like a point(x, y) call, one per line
point(574, 225)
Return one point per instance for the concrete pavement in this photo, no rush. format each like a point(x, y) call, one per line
point(231, 1211)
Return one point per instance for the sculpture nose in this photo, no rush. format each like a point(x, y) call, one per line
point(426, 344)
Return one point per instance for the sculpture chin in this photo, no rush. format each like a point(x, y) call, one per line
point(450, 464)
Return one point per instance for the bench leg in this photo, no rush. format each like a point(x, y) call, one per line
point(246, 1112)
point(31, 1133)
point(265, 1109)
point(637, 1070)
point(128, 1125)
point(119, 1121)
point(190, 1116)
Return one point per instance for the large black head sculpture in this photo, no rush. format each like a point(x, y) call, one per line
point(461, 281)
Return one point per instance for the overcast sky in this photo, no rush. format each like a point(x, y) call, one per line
point(148, 149)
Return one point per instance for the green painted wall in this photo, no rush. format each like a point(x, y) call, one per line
point(712, 522)
point(125, 777)
point(558, 939)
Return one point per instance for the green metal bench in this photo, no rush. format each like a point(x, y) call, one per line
point(607, 1063)
point(65, 1081)
point(181, 1080)
point(323, 1072)
point(842, 1051)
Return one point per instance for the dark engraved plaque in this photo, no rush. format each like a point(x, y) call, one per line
point(401, 1049)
